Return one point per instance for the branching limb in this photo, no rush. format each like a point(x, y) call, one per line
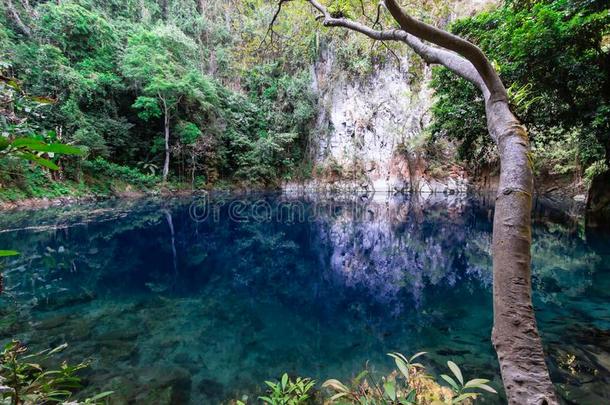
point(452, 61)
point(466, 49)
point(270, 33)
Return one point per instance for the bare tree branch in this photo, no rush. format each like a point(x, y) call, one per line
point(431, 55)
point(270, 31)
point(445, 39)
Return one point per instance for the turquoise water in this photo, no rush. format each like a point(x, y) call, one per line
point(201, 300)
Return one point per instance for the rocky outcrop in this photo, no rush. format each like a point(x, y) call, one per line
point(598, 202)
point(370, 128)
point(366, 126)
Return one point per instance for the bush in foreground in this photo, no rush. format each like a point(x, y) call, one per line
point(408, 384)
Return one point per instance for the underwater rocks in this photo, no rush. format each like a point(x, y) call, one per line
point(211, 389)
point(163, 385)
point(61, 300)
point(52, 322)
point(171, 386)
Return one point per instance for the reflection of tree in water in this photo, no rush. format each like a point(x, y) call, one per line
point(381, 249)
point(68, 253)
point(561, 263)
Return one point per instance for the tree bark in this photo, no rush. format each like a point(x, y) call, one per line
point(515, 334)
point(166, 118)
point(16, 19)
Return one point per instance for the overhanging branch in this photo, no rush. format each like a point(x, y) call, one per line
point(431, 55)
point(466, 49)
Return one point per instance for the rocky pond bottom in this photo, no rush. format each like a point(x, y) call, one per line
point(201, 300)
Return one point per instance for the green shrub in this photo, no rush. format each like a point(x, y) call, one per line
point(23, 381)
point(596, 169)
point(408, 384)
point(288, 392)
point(102, 168)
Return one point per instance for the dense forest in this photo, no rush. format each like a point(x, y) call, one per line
point(204, 93)
point(422, 101)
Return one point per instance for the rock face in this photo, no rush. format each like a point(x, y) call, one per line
point(369, 131)
point(598, 203)
point(366, 125)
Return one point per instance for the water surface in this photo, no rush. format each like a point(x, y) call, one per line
point(196, 301)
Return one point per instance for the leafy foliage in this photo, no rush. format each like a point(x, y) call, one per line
point(409, 384)
point(288, 392)
point(111, 73)
point(24, 381)
point(554, 57)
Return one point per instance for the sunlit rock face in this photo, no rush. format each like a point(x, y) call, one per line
point(367, 125)
point(364, 123)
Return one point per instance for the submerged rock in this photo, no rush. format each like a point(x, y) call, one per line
point(211, 389)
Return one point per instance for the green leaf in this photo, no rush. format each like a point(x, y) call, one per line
point(401, 363)
point(451, 381)
point(463, 397)
point(337, 396)
point(57, 148)
point(416, 355)
point(7, 253)
point(41, 161)
point(390, 389)
point(101, 395)
point(484, 387)
point(456, 371)
point(26, 142)
point(475, 381)
point(58, 349)
point(284, 381)
point(4, 143)
point(335, 385)
point(40, 146)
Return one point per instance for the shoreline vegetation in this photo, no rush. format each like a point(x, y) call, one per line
point(25, 382)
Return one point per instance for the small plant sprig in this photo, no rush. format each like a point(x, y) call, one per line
point(288, 392)
point(459, 387)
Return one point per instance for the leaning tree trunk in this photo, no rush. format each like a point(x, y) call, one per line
point(167, 150)
point(515, 334)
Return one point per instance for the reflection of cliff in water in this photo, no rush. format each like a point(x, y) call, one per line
point(383, 248)
point(386, 248)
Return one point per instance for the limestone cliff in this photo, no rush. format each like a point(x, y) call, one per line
point(370, 129)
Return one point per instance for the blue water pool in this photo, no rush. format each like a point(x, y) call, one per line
point(201, 299)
